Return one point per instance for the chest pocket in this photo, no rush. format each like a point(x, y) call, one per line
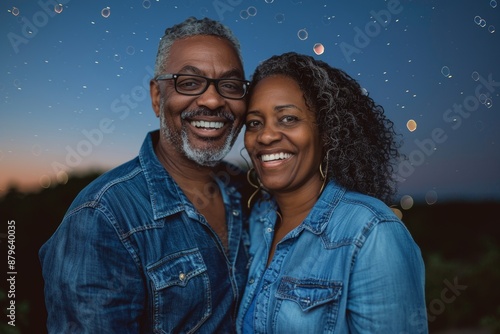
point(181, 292)
point(311, 303)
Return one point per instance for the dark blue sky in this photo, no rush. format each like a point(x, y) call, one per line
point(74, 83)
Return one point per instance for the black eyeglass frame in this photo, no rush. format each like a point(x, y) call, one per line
point(175, 76)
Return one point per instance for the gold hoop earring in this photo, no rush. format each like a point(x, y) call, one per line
point(323, 174)
point(257, 187)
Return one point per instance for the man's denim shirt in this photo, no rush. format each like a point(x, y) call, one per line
point(133, 255)
point(350, 267)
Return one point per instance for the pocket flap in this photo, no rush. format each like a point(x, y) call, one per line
point(308, 293)
point(176, 269)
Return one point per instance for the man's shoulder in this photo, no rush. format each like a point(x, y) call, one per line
point(106, 184)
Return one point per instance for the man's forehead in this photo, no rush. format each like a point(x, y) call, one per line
point(198, 54)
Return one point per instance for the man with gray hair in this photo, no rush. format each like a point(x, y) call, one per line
point(158, 243)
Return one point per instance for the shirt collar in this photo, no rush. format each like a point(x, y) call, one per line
point(163, 191)
point(166, 196)
point(317, 219)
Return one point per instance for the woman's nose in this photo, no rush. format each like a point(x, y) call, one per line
point(268, 135)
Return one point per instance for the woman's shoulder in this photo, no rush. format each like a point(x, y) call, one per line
point(351, 214)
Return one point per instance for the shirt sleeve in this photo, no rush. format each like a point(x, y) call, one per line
point(92, 283)
point(386, 289)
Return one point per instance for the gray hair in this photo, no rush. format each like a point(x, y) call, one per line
point(192, 27)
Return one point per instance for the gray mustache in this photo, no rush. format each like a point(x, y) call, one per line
point(207, 112)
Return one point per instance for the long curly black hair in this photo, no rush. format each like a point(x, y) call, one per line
point(359, 142)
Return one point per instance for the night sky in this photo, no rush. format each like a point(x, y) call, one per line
point(75, 78)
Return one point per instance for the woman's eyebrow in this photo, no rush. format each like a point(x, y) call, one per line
point(277, 109)
point(281, 107)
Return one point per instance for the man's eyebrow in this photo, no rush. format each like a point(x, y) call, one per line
point(232, 73)
point(190, 69)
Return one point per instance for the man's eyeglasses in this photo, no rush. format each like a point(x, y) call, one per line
point(190, 84)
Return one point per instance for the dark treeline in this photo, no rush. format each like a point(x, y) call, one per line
point(460, 243)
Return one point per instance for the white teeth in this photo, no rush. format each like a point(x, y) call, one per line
point(276, 156)
point(207, 125)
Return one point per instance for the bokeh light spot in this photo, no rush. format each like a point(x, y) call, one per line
point(482, 98)
point(244, 14)
point(44, 181)
point(252, 11)
point(488, 103)
point(327, 19)
point(17, 83)
point(36, 150)
point(62, 177)
point(280, 17)
point(475, 76)
point(491, 29)
point(302, 34)
point(146, 4)
point(411, 125)
point(445, 70)
point(15, 11)
point(106, 12)
point(318, 48)
point(493, 3)
point(130, 50)
point(431, 197)
point(406, 202)
point(269, 1)
point(397, 212)
point(58, 8)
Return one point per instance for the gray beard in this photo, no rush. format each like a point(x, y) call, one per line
point(208, 157)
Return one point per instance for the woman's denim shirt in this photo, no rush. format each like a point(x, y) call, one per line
point(350, 267)
point(133, 255)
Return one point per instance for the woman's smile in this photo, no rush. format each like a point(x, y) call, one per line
point(281, 135)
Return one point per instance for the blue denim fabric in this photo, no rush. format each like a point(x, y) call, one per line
point(133, 255)
point(350, 267)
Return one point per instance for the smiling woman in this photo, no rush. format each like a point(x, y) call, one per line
point(281, 135)
point(328, 255)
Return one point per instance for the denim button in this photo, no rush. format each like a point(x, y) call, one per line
point(182, 276)
point(269, 230)
point(236, 212)
point(251, 281)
